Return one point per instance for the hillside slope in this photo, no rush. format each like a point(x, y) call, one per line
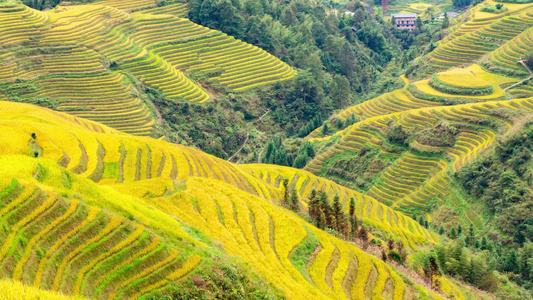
point(91, 60)
point(409, 143)
point(79, 217)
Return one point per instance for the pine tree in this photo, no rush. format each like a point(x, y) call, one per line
point(441, 230)
point(445, 21)
point(352, 206)
point(511, 262)
point(326, 209)
point(484, 243)
point(337, 213)
point(453, 233)
point(459, 229)
point(313, 206)
point(426, 224)
point(421, 221)
point(286, 192)
point(294, 201)
point(325, 129)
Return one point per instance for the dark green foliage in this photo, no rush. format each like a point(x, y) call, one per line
point(286, 199)
point(276, 152)
point(397, 135)
point(325, 129)
point(310, 126)
point(294, 201)
point(458, 261)
point(445, 21)
point(453, 233)
point(305, 154)
point(461, 3)
point(502, 181)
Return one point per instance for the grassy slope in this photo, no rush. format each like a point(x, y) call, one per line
point(207, 207)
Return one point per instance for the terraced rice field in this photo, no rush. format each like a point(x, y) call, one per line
point(367, 208)
point(141, 166)
point(330, 273)
point(505, 58)
point(66, 233)
point(413, 179)
point(92, 59)
point(70, 247)
point(482, 33)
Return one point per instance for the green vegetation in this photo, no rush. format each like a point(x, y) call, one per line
point(495, 9)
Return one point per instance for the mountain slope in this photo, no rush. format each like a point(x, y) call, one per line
point(59, 223)
point(91, 60)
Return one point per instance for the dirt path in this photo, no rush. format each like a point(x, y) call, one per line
point(521, 61)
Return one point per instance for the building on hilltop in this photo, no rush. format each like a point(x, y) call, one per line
point(404, 21)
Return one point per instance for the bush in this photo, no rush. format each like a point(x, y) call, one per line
point(495, 9)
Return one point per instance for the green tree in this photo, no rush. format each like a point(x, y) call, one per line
point(358, 17)
point(419, 24)
point(325, 129)
point(445, 21)
point(511, 262)
point(286, 200)
point(352, 206)
point(294, 200)
point(326, 209)
point(314, 206)
point(337, 213)
point(340, 91)
point(453, 233)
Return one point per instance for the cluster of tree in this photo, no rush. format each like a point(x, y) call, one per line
point(276, 153)
point(310, 126)
point(502, 180)
point(305, 154)
point(330, 216)
point(456, 260)
point(421, 220)
point(461, 3)
point(395, 252)
point(338, 55)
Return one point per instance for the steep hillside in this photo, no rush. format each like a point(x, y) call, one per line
point(441, 148)
point(90, 60)
point(85, 206)
point(479, 33)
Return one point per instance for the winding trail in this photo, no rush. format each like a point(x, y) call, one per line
point(521, 61)
point(247, 136)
